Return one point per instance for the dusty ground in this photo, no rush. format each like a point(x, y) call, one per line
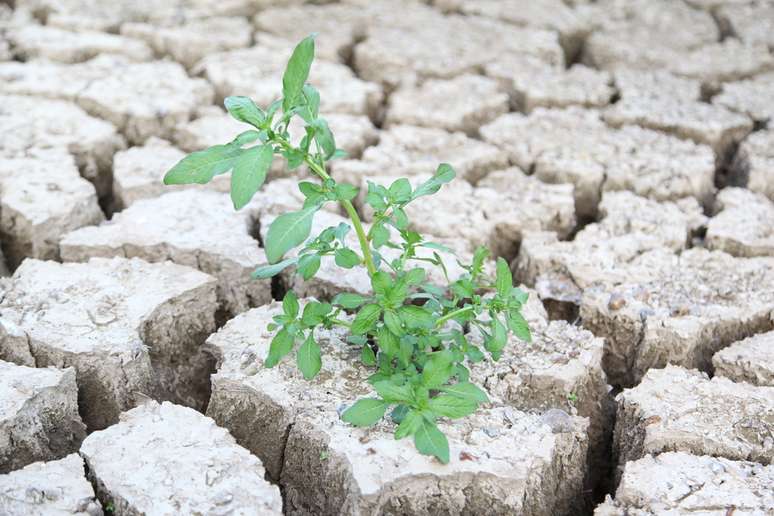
point(619, 153)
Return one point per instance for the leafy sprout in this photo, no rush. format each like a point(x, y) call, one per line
point(410, 331)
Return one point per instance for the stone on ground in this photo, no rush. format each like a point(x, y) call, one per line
point(752, 23)
point(464, 104)
point(168, 459)
point(42, 42)
point(681, 483)
point(502, 460)
point(744, 225)
point(646, 84)
point(199, 229)
point(704, 123)
point(575, 146)
point(38, 416)
point(34, 127)
point(676, 409)
point(138, 173)
point(629, 225)
point(127, 327)
point(146, 99)
point(56, 488)
point(41, 200)
point(680, 309)
point(193, 40)
point(405, 150)
point(752, 97)
point(750, 360)
point(257, 73)
point(754, 163)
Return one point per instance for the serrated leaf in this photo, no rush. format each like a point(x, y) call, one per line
point(431, 441)
point(466, 391)
point(297, 72)
point(367, 356)
point(503, 279)
point(400, 191)
point(288, 231)
point(314, 313)
point(365, 412)
point(281, 345)
point(249, 173)
point(415, 276)
point(392, 393)
point(393, 322)
point(411, 422)
point(308, 265)
point(268, 271)
point(416, 317)
point(290, 304)
point(519, 326)
point(346, 258)
point(308, 358)
point(244, 109)
point(452, 407)
point(365, 319)
point(201, 166)
point(437, 370)
point(348, 300)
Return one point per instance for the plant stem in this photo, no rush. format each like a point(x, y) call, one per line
point(452, 315)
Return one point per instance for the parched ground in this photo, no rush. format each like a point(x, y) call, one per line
point(619, 154)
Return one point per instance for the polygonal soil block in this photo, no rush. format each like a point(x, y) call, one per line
point(745, 224)
point(629, 225)
point(448, 47)
point(752, 97)
point(33, 127)
point(676, 409)
point(750, 360)
point(632, 84)
point(750, 23)
point(575, 146)
point(718, 63)
point(168, 459)
point(192, 40)
point(196, 228)
point(38, 416)
point(704, 123)
point(257, 73)
point(754, 163)
point(40, 200)
point(463, 104)
point(495, 214)
point(55, 44)
point(681, 483)
point(49, 489)
point(127, 327)
point(677, 309)
point(406, 150)
point(502, 461)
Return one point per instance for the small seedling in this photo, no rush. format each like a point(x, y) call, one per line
point(410, 331)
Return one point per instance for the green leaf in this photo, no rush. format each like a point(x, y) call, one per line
point(201, 166)
point(314, 313)
point(466, 391)
point(519, 326)
point(381, 283)
point(308, 265)
point(308, 358)
point(297, 72)
point(495, 342)
point(400, 191)
point(245, 138)
point(387, 341)
point(393, 323)
point(249, 173)
point(411, 422)
point(345, 192)
point(312, 101)
point(503, 279)
point(416, 317)
point(392, 393)
point(365, 319)
point(288, 231)
point(452, 407)
point(365, 412)
point(443, 175)
point(281, 345)
point(415, 276)
point(400, 219)
point(245, 110)
point(437, 371)
point(431, 441)
point(367, 356)
point(346, 258)
point(380, 235)
point(348, 301)
point(267, 271)
point(324, 137)
point(290, 304)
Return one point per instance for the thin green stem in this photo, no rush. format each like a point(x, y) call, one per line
point(452, 315)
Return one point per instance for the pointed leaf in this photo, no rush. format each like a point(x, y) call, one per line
point(394, 393)
point(249, 173)
point(409, 425)
point(467, 391)
point(452, 407)
point(290, 304)
point(288, 231)
point(281, 345)
point(268, 271)
point(245, 110)
point(365, 319)
point(201, 166)
point(308, 358)
point(365, 412)
point(503, 279)
point(348, 300)
point(431, 441)
point(297, 72)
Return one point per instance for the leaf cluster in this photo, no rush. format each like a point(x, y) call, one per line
point(411, 330)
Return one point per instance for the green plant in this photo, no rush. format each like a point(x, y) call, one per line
point(409, 330)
